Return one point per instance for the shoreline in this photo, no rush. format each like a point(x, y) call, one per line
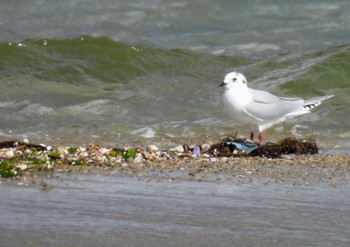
point(24, 161)
point(203, 199)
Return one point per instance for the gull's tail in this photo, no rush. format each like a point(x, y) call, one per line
point(312, 103)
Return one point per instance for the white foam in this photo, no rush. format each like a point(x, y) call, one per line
point(146, 132)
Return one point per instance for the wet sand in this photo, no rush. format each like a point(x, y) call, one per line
point(295, 201)
point(332, 169)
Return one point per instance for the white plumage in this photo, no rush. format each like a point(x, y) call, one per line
point(261, 109)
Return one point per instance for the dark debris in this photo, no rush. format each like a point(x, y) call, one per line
point(289, 145)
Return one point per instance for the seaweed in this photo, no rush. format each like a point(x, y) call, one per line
point(130, 153)
point(17, 157)
point(7, 170)
point(116, 152)
point(289, 145)
point(21, 145)
point(72, 150)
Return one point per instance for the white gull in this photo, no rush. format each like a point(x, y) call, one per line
point(261, 109)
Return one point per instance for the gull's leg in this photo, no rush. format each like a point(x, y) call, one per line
point(251, 135)
point(260, 137)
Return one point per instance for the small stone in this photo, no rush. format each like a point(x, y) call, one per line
point(22, 166)
point(206, 155)
point(63, 151)
point(138, 158)
point(153, 156)
point(191, 146)
point(178, 149)
point(9, 154)
point(205, 147)
point(25, 140)
point(153, 148)
point(213, 159)
point(104, 151)
point(224, 159)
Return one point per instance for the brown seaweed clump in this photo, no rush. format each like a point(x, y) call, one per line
point(289, 145)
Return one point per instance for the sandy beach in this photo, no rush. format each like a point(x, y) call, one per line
point(172, 198)
point(299, 201)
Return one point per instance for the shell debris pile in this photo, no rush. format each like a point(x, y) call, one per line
point(22, 157)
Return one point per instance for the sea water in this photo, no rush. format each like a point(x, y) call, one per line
point(138, 72)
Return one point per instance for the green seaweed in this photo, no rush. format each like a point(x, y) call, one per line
point(72, 150)
point(34, 160)
point(7, 170)
point(130, 153)
point(116, 152)
point(54, 155)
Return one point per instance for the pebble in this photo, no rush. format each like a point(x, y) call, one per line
point(9, 154)
point(191, 146)
point(63, 151)
point(153, 148)
point(206, 155)
point(104, 151)
point(205, 147)
point(138, 158)
point(224, 159)
point(22, 167)
point(178, 149)
point(213, 159)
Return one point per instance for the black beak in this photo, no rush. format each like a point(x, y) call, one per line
point(222, 84)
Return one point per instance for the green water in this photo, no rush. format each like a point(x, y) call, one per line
point(136, 72)
point(94, 87)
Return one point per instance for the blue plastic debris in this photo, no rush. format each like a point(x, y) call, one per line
point(196, 151)
point(245, 146)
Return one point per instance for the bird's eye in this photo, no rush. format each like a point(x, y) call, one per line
point(235, 79)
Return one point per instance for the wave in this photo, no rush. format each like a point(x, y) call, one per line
point(83, 59)
point(328, 70)
point(89, 84)
point(87, 60)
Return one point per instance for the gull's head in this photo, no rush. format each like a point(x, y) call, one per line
point(234, 79)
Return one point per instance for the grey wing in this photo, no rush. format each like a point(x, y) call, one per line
point(263, 96)
point(267, 107)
